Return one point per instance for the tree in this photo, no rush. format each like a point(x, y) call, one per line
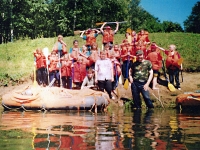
point(192, 23)
point(169, 26)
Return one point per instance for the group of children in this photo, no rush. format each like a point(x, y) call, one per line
point(77, 67)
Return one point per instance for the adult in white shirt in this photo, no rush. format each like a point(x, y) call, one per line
point(104, 73)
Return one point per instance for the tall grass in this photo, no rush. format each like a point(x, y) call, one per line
point(16, 59)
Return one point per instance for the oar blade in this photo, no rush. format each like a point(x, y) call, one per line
point(126, 84)
point(171, 87)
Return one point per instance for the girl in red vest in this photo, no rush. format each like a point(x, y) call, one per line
point(134, 41)
point(60, 46)
point(94, 55)
point(117, 52)
point(41, 73)
point(79, 72)
point(173, 65)
point(84, 54)
point(66, 71)
point(107, 50)
point(75, 50)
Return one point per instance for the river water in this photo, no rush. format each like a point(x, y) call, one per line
point(122, 129)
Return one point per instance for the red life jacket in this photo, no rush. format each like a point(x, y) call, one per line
point(155, 60)
point(79, 72)
point(40, 61)
point(143, 37)
point(108, 36)
point(172, 60)
point(53, 64)
point(66, 69)
point(90, 39)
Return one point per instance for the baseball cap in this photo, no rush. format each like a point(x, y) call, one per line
point(139, 52)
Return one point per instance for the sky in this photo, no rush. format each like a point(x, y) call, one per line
point(176, 11)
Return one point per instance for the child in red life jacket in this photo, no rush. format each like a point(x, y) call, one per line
point(116, 70)
point(66, 71)
point(54, 67)
point(90, 37)
point(117, 52)
point(127, 57)
point(156, 60)
point(94, 55)
point(79, 72)
point(75, 50)
point(41, 73)
point(108, 34)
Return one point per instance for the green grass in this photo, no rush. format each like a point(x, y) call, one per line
point(16, 59)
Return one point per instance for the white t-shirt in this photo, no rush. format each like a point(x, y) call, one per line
point(104, 69)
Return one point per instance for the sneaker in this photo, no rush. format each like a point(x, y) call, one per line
point(113, 97)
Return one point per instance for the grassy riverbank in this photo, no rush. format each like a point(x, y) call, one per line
point(16, 59)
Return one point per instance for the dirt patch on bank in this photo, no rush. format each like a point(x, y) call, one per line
point(191, 83)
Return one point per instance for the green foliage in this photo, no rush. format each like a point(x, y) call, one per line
point(191, 24)
point(48, 18)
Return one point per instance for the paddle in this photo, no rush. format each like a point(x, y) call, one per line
point(170, 86)
point(126, 83)
point(59, 53)
point(180, 61)
point(78, 32)
point(34, 75)
point(116, 78)
point(100, 23)
point(194, 98)
point(46, 53)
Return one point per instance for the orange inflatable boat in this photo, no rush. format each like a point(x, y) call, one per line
point(55, 98)
point(188, 100)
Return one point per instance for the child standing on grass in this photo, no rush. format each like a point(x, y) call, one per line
point(41, 73)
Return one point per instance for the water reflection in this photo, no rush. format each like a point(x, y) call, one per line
point(119, 129)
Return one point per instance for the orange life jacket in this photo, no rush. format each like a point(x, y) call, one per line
point(79, 72)
point(108, 36)
point(53, 64)
point(155, 60)
point(143, 37)
point(172, 60)
point(66, 69)
point(90, 39)
point(40, 61)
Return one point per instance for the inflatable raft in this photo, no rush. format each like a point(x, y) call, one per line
point(55, 98)
point(188, 100)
